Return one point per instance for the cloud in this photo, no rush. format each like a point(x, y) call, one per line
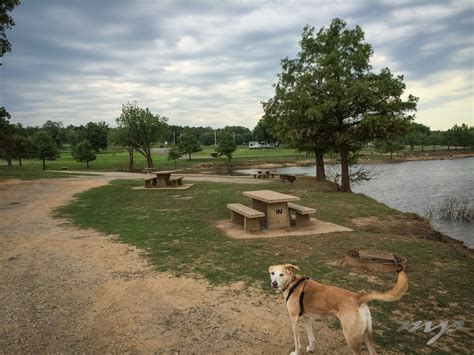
point(212, 63)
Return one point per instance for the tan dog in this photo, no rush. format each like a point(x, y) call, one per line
point(306, 298)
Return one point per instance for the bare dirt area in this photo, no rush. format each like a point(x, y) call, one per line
point(69, 290)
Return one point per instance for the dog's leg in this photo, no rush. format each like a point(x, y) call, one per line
point(368, 340)
point(296, 334)
point(309, 331)
point(369, 343)
point(353, 326)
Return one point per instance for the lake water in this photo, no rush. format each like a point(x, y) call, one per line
point(416, 186)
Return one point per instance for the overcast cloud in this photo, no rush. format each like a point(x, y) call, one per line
point(213, 62)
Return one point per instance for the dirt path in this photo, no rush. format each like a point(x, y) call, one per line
point(67, 290)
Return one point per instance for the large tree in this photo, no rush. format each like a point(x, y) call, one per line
point(6, 22)
point(144, 128)
point(292, 117)
point(348, 103)
point(7, 136)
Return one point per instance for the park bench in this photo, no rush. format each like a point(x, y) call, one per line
point(177, 180)
point(286, 177)
point(246, 216)
point(301, 214)
point(150, 182)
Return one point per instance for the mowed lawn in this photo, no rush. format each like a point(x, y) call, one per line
point(118, 161)
point(177, 230)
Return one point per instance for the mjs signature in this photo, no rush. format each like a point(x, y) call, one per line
point(444, 327)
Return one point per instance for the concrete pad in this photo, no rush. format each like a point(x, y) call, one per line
point(316, 227)
point(184, 187)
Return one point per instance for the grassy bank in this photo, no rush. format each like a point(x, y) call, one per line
point(177, 230)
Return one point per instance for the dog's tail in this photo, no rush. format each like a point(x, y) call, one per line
point(390, 296)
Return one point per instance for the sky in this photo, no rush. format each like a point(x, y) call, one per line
point(212, 63)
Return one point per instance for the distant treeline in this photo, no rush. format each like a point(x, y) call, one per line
point(16, 140)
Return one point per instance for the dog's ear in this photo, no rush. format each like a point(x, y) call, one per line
point(292, 268)
point(270, 268)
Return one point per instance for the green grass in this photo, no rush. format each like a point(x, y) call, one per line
point(176, 228)
point(118, 161)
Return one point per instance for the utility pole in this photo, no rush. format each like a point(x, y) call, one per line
point(215, 138)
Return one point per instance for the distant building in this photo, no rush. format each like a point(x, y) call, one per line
point(254, 145)
point(258, 145)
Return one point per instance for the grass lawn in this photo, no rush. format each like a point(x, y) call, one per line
point(177, 230)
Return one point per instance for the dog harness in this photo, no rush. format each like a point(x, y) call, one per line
point(293, 288)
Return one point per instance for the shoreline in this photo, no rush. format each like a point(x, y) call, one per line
point(363, 160)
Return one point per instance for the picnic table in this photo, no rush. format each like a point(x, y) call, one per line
point(274, 205)
point(163, 178)
point(262, 175)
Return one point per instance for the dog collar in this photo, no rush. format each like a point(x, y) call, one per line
point(289, 283)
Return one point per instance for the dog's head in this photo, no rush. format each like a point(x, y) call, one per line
point(281, 275)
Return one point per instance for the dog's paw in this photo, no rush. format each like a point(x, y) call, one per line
point(294, 353)
point(310, 349)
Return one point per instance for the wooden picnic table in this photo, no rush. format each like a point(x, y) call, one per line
point(274, 205)
point(163, 177)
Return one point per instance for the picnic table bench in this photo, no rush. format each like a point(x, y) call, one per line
point(301, 214)
point(176, 180)
point(246, 216)
point(150, 182)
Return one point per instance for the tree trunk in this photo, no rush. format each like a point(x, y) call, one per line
point(422, 148)
point(44, 164)
point(149, 159)
point(130, 158)
point(320, 172)
point(434, 148)
point(345, 179)
point(411, 147)
point(87, 164)
point(19, 160)
point(175, 163)
point(391, 154)
point(9, 161)
point(189, 156)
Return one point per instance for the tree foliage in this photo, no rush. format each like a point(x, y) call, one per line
point(174, 154)
point(6, 23)
point(144, 128)
point(7, 140)
point(189, 144)
point(44, 147)
point(84, 152)
point(226, 144)
point(56, 131)
point(329, 92)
